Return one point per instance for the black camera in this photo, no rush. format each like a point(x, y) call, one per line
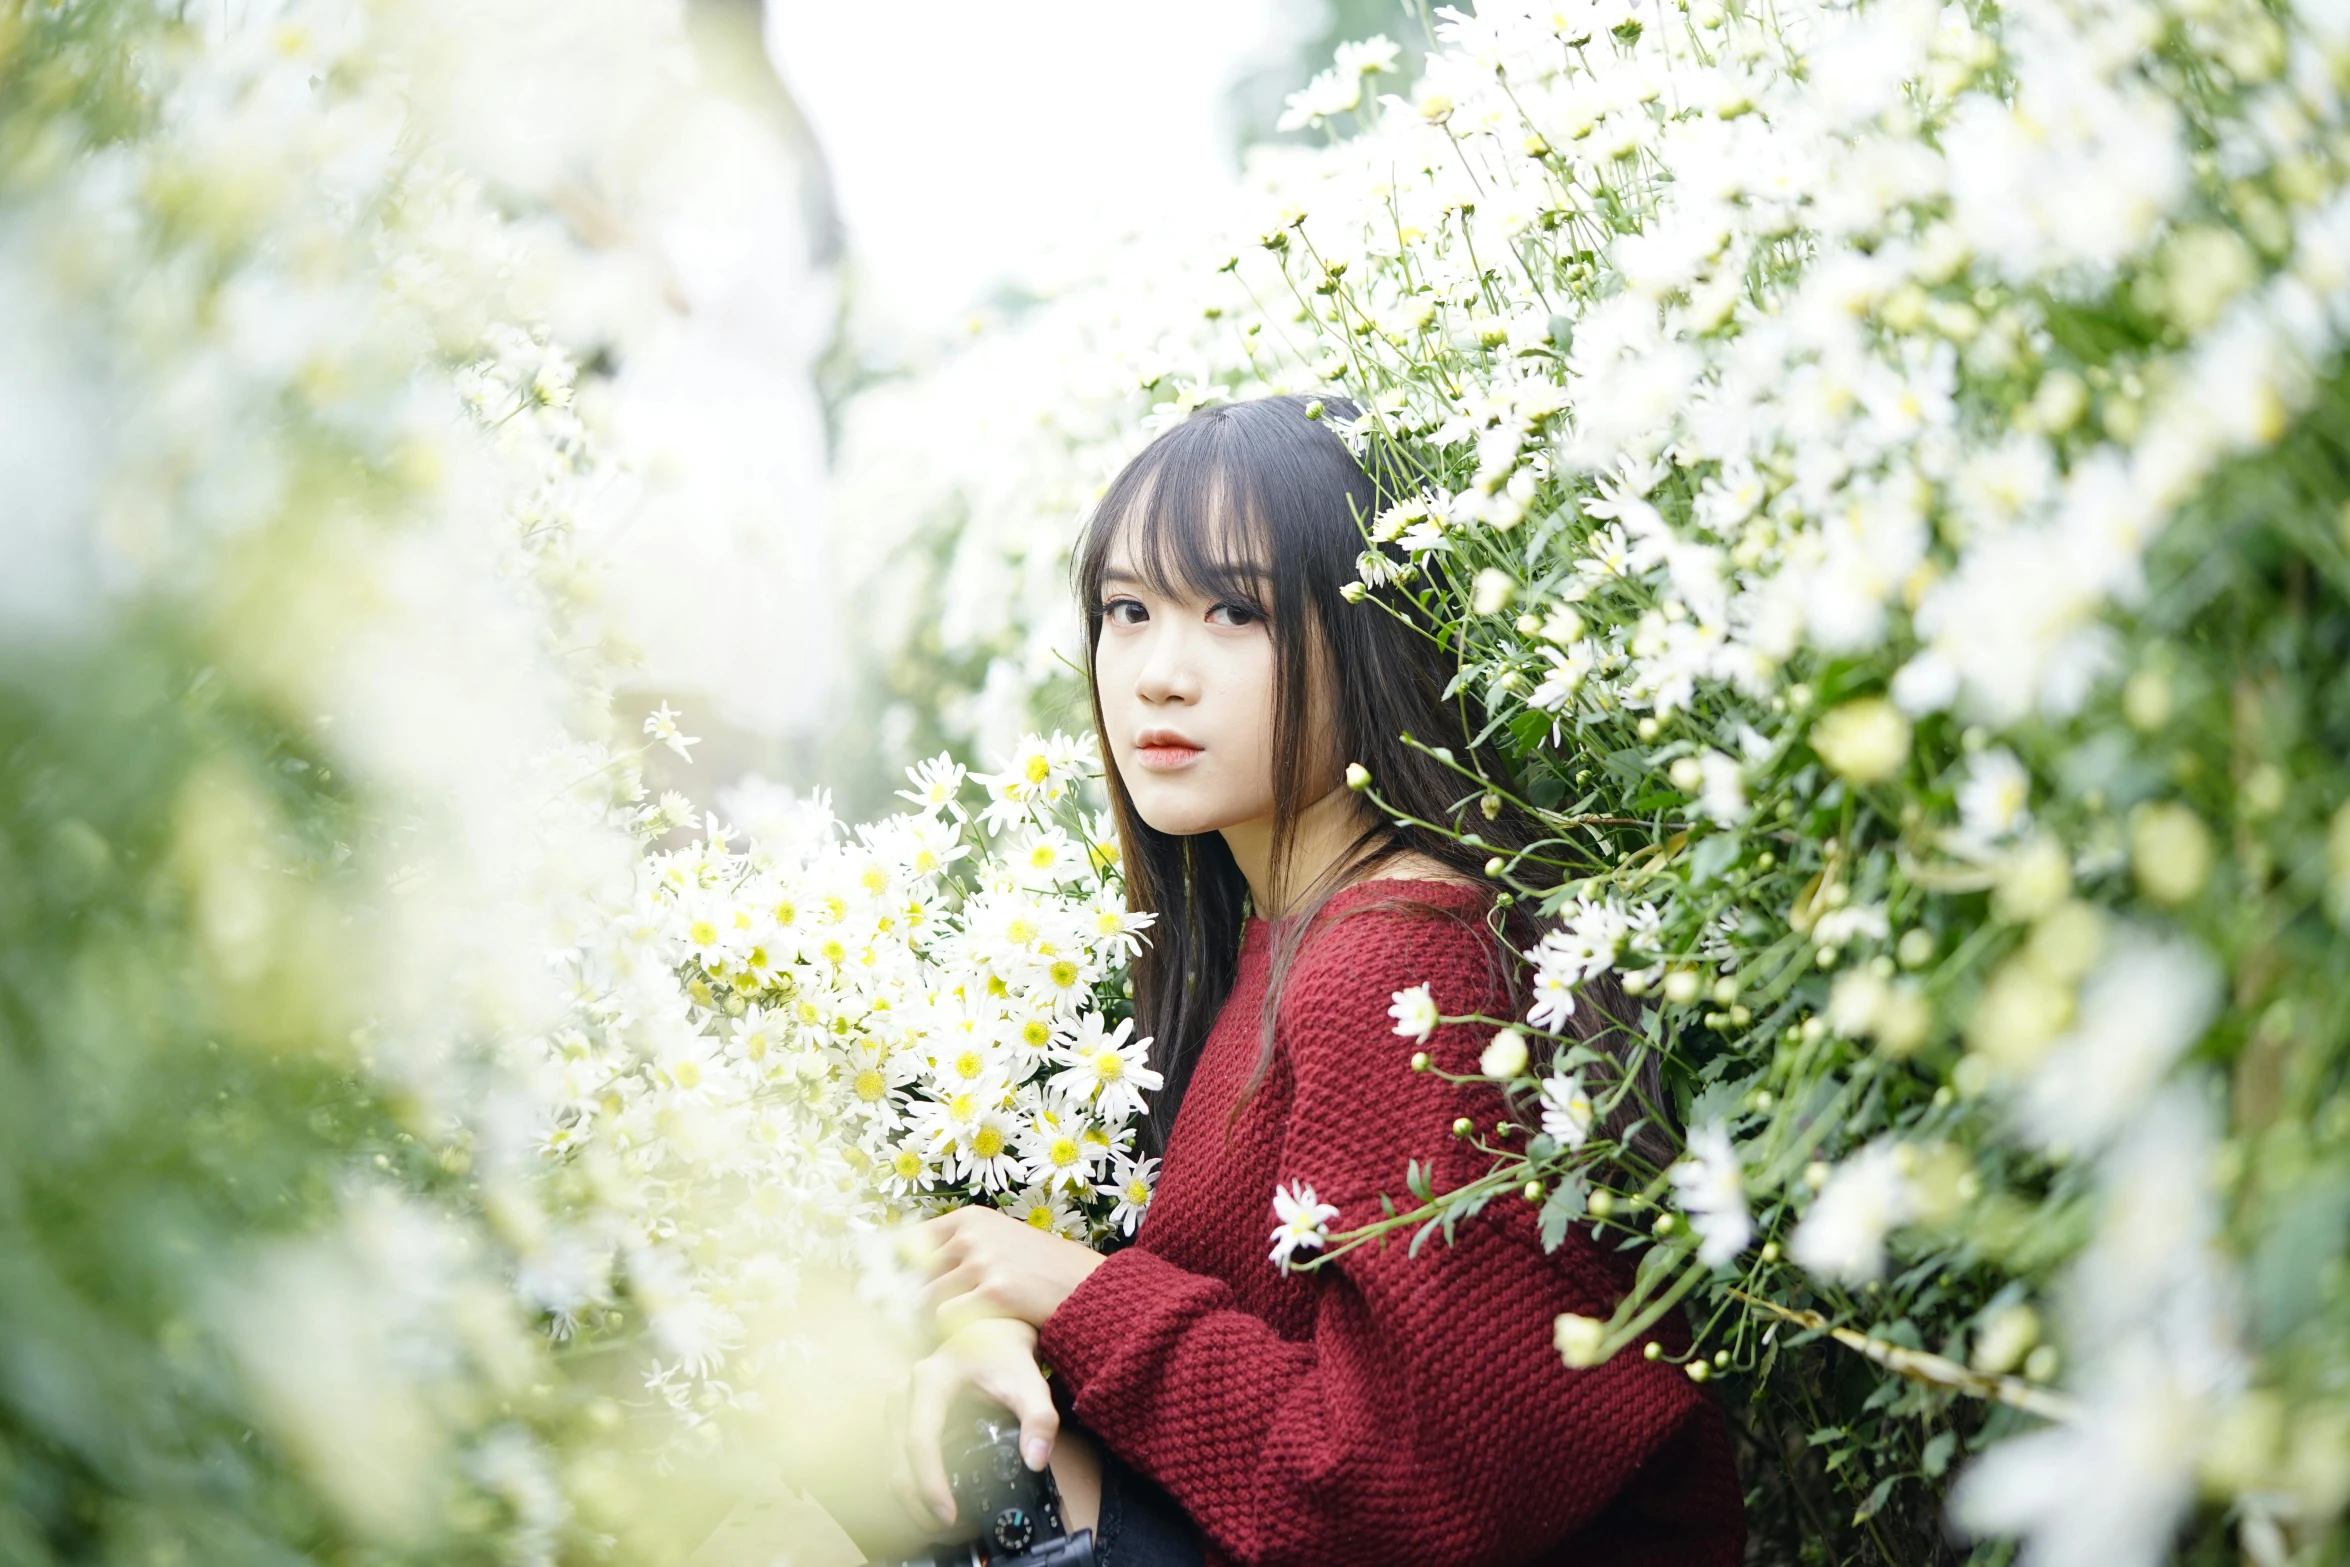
point(1018, 1509)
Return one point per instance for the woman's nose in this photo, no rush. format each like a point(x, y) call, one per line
point(1166, 676)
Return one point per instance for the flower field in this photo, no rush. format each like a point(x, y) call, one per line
point(1883, 471)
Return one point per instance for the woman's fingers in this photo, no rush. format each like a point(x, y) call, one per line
point(1020, 1388)
point(960, 1279)
point(901, 1457)
point(933, 1390)
point(932, 1244)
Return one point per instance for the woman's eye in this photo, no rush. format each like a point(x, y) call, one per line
point(1125, 612)
point(1233, 615)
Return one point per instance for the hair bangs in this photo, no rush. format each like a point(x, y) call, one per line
point(1190, 521)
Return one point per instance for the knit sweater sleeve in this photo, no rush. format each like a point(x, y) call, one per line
point(1427, 1418)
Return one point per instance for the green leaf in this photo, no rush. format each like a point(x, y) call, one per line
point(1712, 856)
point(1877, 1495)
point(1416, 1181)
point(1719, 1102)
point(1562, 1207)
point(1938, 1451)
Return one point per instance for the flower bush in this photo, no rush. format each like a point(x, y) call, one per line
point(782, 1050)
point(302, 743)
point(1879, 474)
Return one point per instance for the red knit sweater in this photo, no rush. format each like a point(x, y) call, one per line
point(1384, 1408)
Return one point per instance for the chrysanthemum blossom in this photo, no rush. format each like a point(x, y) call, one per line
point(1415, 1013)
point(1305, 1223)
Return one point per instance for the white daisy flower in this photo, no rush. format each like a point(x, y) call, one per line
point(1305, 1222)
point(1415, 1013)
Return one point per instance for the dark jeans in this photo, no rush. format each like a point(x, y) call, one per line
point(1141, 1525)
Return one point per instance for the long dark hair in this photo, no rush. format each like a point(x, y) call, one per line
point(1256, 501)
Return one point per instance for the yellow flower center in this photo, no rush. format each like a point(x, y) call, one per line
point(987, 1142)
point(1064, 973)
point(1108, 1065)
point(687, 1074)
point(907, 1163)
point(1036, 1034)
point(1020, 932)
point(968, 1063)
point(1063, 1152)
point(1038, 769)
point(871, 1085)
point(702, 933)
point(1040, 1217)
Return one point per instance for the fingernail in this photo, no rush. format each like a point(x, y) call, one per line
point(1039, 1451)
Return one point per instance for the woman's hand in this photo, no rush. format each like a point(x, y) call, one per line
point(988, 1264)
point(995, 1357)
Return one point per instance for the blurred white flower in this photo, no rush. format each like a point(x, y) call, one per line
point(1712, 1191)
point(2148, 999)
point(1842, 1236)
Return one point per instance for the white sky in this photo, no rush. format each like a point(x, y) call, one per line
point(968, 141)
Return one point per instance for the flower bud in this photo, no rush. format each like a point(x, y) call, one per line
point(1865, 741)
point(1581, 1341)
point(1358, 777)
point(1504, 1056)
point(2170, 851)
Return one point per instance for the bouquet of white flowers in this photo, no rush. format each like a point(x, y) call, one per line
point(789, 1044)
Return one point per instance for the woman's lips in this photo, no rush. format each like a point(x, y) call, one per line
point(1163, 753)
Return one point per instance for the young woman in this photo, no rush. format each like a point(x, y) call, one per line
point(1384, 1408)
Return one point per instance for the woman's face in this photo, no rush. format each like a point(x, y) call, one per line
point(1186, 688)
